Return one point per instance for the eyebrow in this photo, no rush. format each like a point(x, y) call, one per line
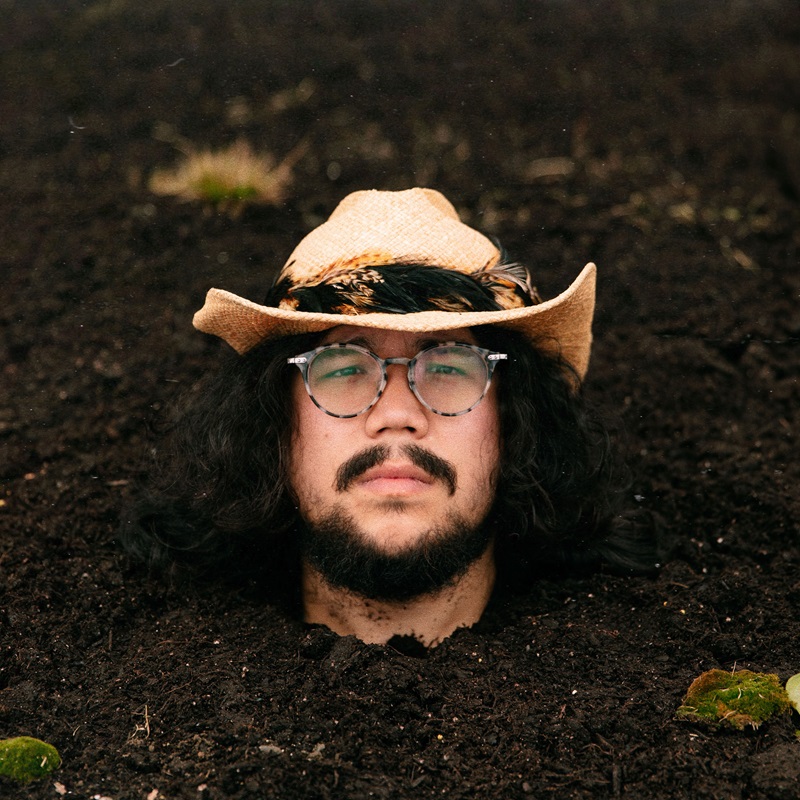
point(420, 344)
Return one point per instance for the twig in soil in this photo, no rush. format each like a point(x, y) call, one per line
point(145, 728)
point(616, 780)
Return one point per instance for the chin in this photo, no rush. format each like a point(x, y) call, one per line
point(392, 558)
point(397, 536)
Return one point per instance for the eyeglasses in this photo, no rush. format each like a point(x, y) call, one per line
point(345, 380)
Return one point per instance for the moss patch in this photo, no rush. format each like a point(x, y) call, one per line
point(26, 759)
point(736, 699)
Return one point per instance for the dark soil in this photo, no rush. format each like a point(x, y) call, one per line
point(680, 123)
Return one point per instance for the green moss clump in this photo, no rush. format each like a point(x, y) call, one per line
point(26, 759)
point(736, 699)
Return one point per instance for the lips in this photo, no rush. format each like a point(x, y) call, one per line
point(378, 468)
point(395, 479)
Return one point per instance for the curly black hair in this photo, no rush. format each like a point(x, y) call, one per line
point(220, 504)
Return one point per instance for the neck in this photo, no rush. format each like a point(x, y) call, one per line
point(430, 618)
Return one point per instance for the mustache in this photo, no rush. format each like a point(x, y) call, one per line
point(435, 466)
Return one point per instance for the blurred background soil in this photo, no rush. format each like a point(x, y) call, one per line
point(659, 139)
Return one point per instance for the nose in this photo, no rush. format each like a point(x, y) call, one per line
point(398, 408)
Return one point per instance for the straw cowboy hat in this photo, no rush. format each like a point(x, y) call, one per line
point(368, 235)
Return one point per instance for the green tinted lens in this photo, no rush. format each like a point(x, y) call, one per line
point(343, 380)
point(451, 380)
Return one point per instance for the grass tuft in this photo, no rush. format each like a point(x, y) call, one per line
point(234, 174)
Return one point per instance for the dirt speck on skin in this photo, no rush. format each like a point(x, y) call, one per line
point(675, 133)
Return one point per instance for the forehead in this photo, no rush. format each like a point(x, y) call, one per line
point(380, 337)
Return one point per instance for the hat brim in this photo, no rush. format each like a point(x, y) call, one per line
point(561, 326)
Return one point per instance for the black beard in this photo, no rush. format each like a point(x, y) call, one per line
point(346, 559)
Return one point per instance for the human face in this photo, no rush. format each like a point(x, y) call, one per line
point(398, 500)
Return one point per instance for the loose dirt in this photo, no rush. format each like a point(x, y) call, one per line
point(661, 140)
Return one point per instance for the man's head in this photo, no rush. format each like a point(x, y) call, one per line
point(402, 404)
point(397, 396)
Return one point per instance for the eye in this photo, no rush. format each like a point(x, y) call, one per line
point(343, 372)
point(340, 364)
point(437, 368)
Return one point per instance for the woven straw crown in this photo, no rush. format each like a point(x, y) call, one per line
point(373, 228)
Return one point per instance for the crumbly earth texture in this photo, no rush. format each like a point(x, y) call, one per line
point(659, 139)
